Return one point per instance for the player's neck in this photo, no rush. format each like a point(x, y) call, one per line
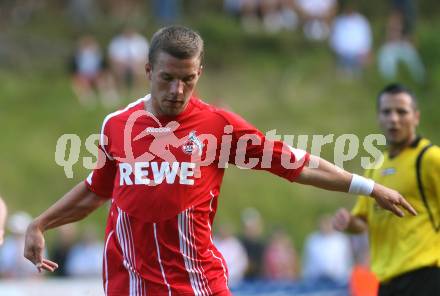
point(396, 148)
point(149, 107)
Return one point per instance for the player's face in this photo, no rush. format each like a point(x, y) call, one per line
point(172, 82)
point(398, 118)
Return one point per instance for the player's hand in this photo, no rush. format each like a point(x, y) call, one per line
point(2, 236)
point(391, 200)
point(341, 220)
point(34, 249)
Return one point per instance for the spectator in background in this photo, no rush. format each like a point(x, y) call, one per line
point(289, 15)
point(234, 253)
point(327, 254)
point(253, 242)
point(12, 262)
point(278, 15)
point(363, 282)
point(22, 12)
point(360, 248)
point(316, 17)
point(85, 257)
point(82, 13)
point(232, 7)
point(167, 11)
point(398, 47)
point(351, 40)
point(280, 260)
point(3, 216)
point(271, 15)
point(408, 11)
point(249, 15)
point(66, 237)
point(90, 78)
point(124, 11)
point(128, 56)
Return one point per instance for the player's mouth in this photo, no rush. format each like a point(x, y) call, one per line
point(393, 131)
point(174, 103)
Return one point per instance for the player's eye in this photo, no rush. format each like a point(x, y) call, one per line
point(166, 77)
point(386, 111)
point(188, 79)
point(402, 111)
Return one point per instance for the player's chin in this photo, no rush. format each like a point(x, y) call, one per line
point(396, 141)
point(172, 111)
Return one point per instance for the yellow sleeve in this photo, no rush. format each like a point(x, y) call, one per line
point(360, 209)
point(431, 175)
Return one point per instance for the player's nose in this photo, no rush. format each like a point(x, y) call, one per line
point(393, 117)
point(177, 87)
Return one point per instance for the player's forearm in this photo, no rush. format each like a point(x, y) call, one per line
point(73, 206)
point(356, 225)
point(325, 175)
point(3, 213)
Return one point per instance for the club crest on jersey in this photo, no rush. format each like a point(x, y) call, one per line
point(193, 144)
point(388, 171)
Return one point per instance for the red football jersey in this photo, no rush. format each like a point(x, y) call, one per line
point(164, 176)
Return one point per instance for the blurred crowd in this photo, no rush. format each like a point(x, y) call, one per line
point(343, 27)
point(252, 254)
point(328, 257)
point(78, 252)
point(108, 73)
point(106, 77)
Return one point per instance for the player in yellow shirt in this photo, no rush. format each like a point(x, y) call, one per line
point(405, 253)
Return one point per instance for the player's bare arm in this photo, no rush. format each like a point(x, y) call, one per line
point(73, 206)
point(3, 214)
point(328, 176)
point(345, 221)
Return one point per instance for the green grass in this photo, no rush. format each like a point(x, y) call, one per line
point(275, 82)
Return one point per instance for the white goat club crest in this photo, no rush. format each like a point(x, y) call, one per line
point(192, 144)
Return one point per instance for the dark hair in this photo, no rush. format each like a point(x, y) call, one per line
point(180, 42)
point(394, 89)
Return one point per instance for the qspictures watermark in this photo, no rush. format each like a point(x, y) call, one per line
point(346, 147)
point(156, 155)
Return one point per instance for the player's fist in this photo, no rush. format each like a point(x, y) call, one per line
point(391, 200)
point(341, 220)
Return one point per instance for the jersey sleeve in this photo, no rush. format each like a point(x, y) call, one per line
point(251, 149)
point(101, 179)
point(360, 208)
point(431, 176)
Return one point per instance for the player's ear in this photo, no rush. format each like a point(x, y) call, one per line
point(148, 70)
point(200, 70)
point(417, 117)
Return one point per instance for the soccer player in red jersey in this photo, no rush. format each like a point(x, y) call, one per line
point(161, 162)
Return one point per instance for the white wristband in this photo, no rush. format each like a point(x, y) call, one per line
point(361, 185)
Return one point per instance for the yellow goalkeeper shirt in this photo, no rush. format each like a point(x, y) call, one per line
point(399, 245)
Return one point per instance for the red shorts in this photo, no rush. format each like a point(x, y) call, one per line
point(138, 261)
